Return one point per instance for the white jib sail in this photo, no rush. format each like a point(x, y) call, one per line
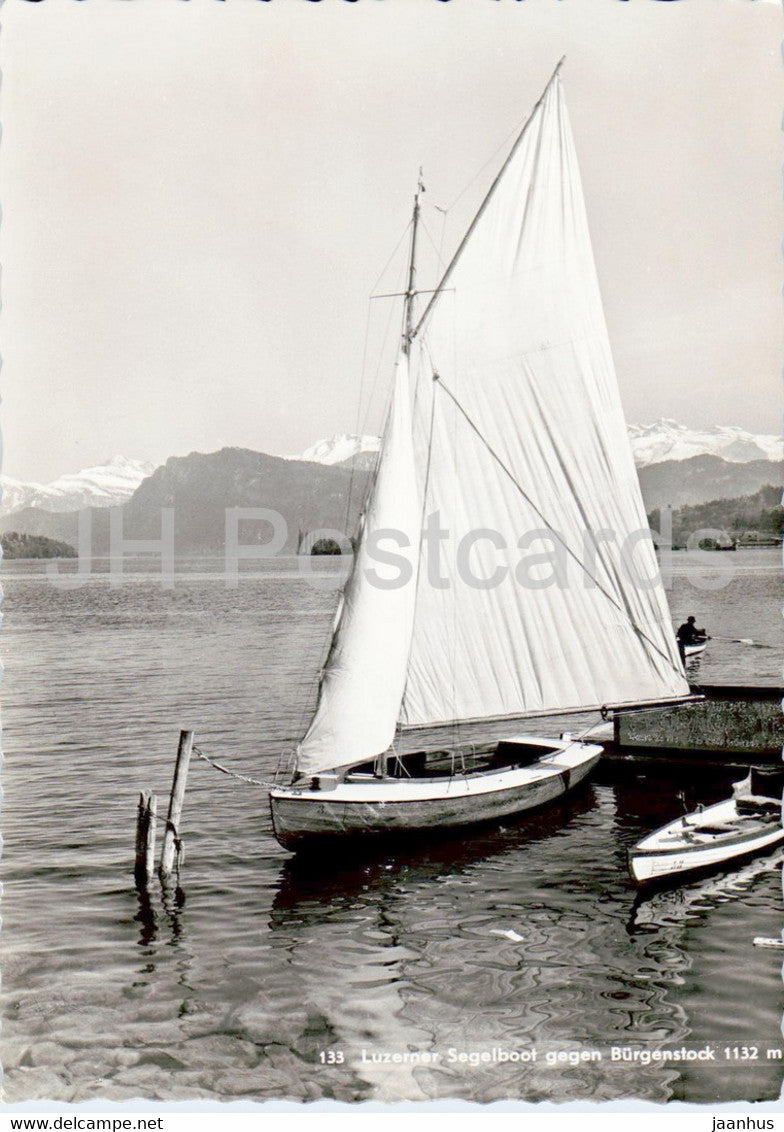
point(519, 435)
point(364, 676)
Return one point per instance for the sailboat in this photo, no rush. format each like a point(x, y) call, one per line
point(505, 434)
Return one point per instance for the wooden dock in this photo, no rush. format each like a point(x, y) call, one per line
point(737, 725)
point(734, 726)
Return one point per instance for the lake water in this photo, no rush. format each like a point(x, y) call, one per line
point(264, 970)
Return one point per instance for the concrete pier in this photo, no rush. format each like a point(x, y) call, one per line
point(733, 724)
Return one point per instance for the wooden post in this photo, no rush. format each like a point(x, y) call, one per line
point(144, 868)
point(172, 845)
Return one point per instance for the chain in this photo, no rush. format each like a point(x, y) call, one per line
point(232, 773)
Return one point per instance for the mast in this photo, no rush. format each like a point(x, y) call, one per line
point(380, 762)
point(408, 332)
point(363, 678)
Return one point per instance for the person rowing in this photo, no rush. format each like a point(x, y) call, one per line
point(689, 634)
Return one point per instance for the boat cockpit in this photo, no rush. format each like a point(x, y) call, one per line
point(509, 754)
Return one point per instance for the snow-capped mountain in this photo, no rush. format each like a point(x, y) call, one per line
point(668, 440)
point(100, 486)
point(338, 449)
point(651, 444)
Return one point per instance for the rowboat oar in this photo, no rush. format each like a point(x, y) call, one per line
point(741, 641)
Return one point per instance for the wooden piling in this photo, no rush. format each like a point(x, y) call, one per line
point(146, 819)
point(172, 844)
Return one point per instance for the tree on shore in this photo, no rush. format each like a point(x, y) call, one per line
point(17, 545)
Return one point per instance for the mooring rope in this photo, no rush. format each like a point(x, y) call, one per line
point(232, 773)
point(270, 785)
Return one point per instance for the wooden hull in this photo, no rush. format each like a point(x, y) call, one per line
point(701, 841)
point(385, 807)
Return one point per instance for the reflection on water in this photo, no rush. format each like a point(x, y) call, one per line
point(522, 937)
point(427, 927)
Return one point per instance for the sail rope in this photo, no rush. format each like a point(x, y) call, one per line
point(490, 161)
point(267, 785)
point(232, 773)
point(483, 206)
point(433, 244)
point(455, 494)
point(358, 425)
point(362, 418)
point(602, 589)
point(398, 284)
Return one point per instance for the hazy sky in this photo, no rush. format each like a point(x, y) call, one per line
point(199, 198)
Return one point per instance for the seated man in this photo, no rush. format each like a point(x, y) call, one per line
point(688, 634)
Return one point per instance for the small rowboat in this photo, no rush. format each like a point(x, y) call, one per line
point(748, 823)
point(696, 648)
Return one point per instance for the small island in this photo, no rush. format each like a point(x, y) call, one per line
point(325, 546)
point(17, 545)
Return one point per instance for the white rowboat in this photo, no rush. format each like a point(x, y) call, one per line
point(695, 649)
point(744, 825)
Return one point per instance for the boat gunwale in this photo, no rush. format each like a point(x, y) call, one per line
point(700, 856)
point(671, 876)
point(552, 748)
point(757, 835)
point(530, 774)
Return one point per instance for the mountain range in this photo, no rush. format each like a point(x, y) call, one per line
point(104, 485)
point(703, 479)
point(200, 487)
point(340, 449)
point(324, 487)
point(668, 440)
point(653, 445)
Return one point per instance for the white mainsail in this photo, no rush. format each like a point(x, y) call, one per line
point(514, 432)
point(363, 679)
point(518, 428)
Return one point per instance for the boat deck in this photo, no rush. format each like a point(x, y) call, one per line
point(487, 759)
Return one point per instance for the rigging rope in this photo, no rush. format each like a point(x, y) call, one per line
point(361, 422)
point(433, 244)
point(491, 159)
point(232, 773)
point(267, 785)
point(610, 597)
point(358, 423)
